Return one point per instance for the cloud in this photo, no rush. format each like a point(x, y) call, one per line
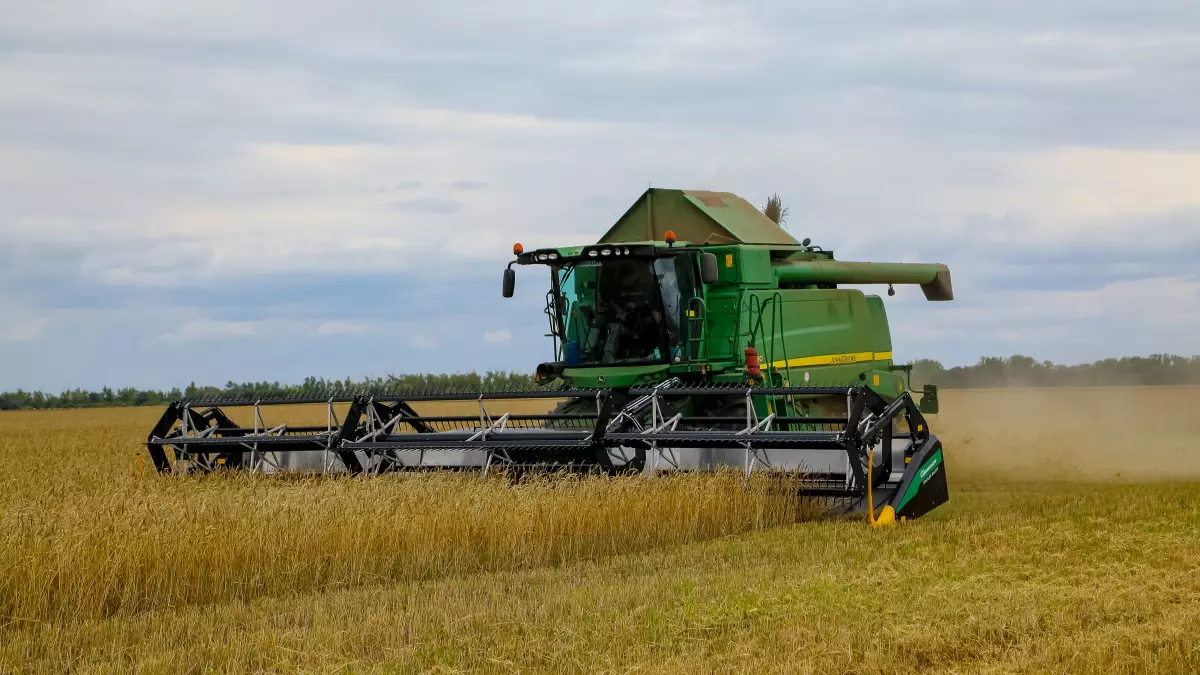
point(341, 328)
point(430, 205)
point(1066, 326)
point(1080, 187)
point(422, 342)
point(291, 161)
point(23, 332)
point(497, 336)
point(198, 330)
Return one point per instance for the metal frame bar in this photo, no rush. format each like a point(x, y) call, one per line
point(637, 420)
point(391, 397)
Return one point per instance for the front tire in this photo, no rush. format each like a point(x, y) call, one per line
point(612, 462)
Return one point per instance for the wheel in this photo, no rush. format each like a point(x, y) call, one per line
point(611, 461)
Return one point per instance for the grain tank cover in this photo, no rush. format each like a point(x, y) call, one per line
point(696, 216)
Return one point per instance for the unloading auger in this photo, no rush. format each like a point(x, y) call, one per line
point(696, 335)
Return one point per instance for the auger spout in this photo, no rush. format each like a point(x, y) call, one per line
point(933, 278)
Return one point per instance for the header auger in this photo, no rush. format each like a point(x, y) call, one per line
point(696, 335)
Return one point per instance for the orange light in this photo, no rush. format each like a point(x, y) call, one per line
point(669, 237)
point(518, 249)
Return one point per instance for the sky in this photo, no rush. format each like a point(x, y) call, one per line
point(245, 191)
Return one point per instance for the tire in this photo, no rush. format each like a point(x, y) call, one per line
point(603, 459)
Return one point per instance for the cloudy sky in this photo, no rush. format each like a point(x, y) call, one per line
point(276, 189)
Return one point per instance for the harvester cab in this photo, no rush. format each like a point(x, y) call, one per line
point(735, 297)
point(696, 334)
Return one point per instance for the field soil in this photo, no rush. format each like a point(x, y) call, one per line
point(1070, 544)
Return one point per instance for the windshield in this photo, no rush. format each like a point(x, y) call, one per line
point(620, 311)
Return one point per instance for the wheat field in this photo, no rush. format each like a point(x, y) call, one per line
point(1070, 544)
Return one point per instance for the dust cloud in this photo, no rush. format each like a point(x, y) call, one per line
point(1072, 434)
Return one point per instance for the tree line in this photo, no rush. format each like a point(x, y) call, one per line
point(312, 386)
point(1024, 371)
point(1014, 371)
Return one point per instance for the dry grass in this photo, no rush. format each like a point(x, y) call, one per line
point(106, 569)
point(99, 539)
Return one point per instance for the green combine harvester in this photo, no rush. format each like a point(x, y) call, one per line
point(696, 335)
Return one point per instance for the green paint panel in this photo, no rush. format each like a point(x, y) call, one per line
point(698, 217)
point(739, 217)
point(881, 336)
point(616, 376)
point(801, 324)
point(722, 326)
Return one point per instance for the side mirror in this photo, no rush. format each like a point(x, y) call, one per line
point(510, 281)
point(929, 400)
point(708, 268)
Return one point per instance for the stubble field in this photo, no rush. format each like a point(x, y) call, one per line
point(1071, 543)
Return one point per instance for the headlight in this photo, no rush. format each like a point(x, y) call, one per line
point(543, 257)
point(554, 256)
point(592, 253)
point(607, 251)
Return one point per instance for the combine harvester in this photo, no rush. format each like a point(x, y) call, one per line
point(696, 335)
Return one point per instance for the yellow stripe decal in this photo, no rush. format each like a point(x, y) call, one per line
point(832, 359)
